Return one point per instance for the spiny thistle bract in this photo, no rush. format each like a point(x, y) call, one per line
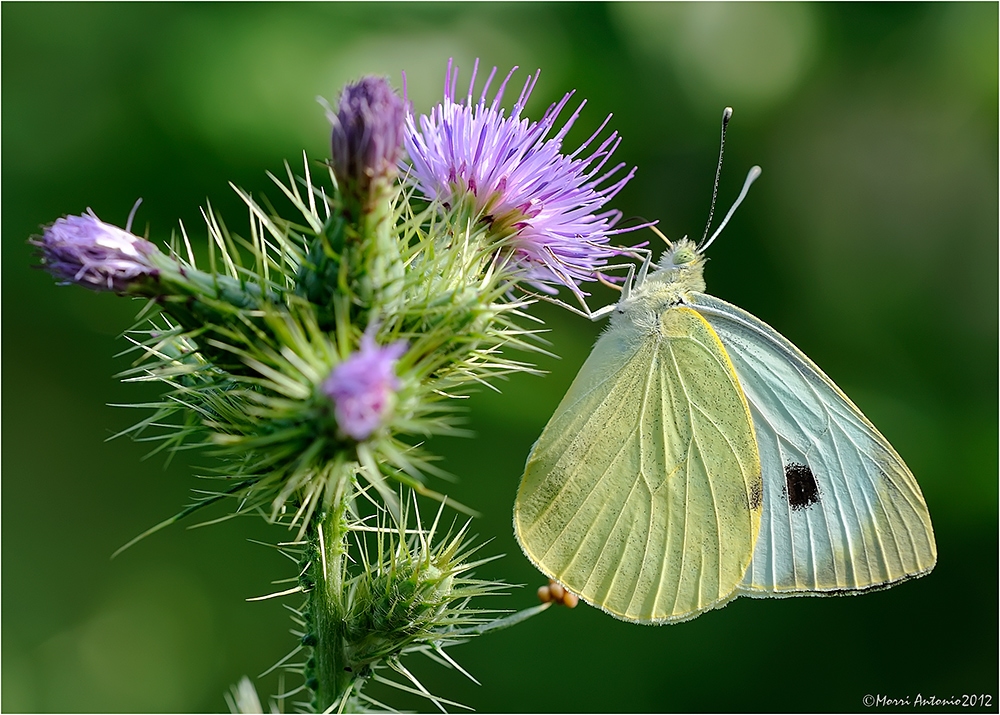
point(316, 353)
point(268, 412)
point(411, 594)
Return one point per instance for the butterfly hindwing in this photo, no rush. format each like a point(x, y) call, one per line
point(643, 493)
point(842, 512)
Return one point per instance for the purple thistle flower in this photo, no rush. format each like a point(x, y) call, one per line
point(367, 135)
point(363, 387)
point(513, 170)
point(86, 251)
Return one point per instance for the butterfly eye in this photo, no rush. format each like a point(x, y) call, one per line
point(683, 256)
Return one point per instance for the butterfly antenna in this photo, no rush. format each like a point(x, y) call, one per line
point(751, 177)
point(727, 114)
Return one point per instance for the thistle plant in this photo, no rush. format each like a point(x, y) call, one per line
point(316, 353)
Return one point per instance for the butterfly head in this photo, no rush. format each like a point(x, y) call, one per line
point(681, 266)
point(681, 256)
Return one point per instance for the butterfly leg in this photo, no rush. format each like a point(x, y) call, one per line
point(586, 312)
point(595, 315)
point(631, 280)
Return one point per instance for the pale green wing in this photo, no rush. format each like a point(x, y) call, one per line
point(842, 513)
point(643, 493)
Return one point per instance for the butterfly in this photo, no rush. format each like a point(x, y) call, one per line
point(699, 456)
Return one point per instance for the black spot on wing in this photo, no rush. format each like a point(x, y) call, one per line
point(756, 494)
point(801, 488)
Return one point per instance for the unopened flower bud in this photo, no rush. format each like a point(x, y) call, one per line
point(363, 387)
point(367, 137)
point(88, 252)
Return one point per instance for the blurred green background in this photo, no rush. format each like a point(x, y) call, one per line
point(870, 241)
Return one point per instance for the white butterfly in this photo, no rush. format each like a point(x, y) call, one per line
point(699, 456)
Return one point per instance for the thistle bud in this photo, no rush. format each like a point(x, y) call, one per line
point(88, 252)
point(363, 387)
point(367, 137)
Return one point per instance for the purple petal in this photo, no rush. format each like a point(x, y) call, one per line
point(363, 387)
point(514, 172)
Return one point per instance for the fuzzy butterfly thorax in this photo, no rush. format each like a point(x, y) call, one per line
point(679, 271)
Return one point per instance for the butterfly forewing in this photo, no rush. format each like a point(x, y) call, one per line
point(643, 493)
point(841, 510)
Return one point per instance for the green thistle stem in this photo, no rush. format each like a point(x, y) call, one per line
point(183, 283)
point(373, 253)
point(334, 677)
point(208, 305)
point(386, 263)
